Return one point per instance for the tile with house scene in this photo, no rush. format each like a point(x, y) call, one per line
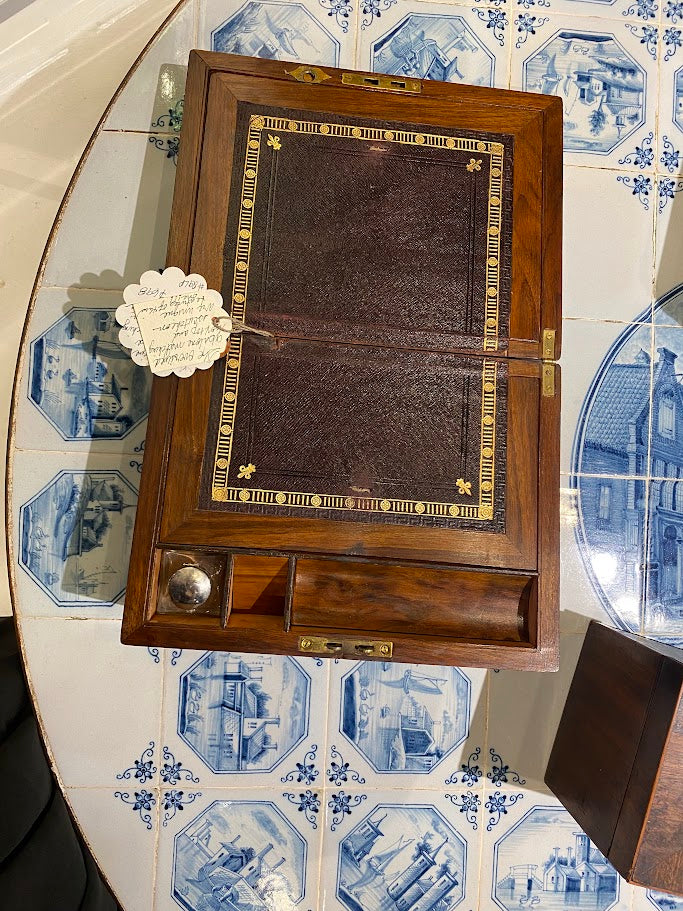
point(671, 89)
point(663, 616)
point(320, 33)
point(593, 422)
point(610, 464)
point(405, 721)
point(63, 530)
point(538, 857)
point(605, 76)
point(435, 41)
point(73, 522)
point(79, 388)
point(251, 854)
point(247, 716)
point(631, 424)
point(402, 850)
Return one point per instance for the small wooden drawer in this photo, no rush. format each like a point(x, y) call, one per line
point(385, 600)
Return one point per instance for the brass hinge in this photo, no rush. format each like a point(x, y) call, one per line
point(383, 83)
point(548, 380)
point(548, 345)
point(346, 648)
point(548, 367)
point(310, 74)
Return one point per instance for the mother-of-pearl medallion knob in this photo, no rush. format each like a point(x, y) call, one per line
point(189, 585)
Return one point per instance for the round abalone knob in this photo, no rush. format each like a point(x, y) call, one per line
point(189, 585)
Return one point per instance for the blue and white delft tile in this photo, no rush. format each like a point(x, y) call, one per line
point(101, 723)
point(651, 900)
point(602, 548)
point(524, 711)
point(321, 32)
point(607, 273)
point(605, 76)
point(115, 225)
point(447, 43)
point(662, 585)
point(670, 137)
point(255, 851)
point(245, 720)
point(663, 607)
point(400, 849)
point(669, 241)
point(73, 519)
point(78, 389)
point(666, 411)
point(536, 856)
point(124, 848)
point(404, 725)
point(671, 88)
point(157, 87)
point(668, 309)
point(600, 360)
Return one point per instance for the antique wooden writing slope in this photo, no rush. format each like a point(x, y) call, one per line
point(380, 479)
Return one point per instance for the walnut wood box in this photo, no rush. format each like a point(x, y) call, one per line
point(618, 754)
point(382, 479)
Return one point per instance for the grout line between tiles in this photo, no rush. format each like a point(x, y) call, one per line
point(85, 288)
point(611, 322)
point(122, 131)
point(160, 732)
point(489, 675)
point(82, 452)
point(323, 751)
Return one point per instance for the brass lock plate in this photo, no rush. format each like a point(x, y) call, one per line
point(383, 83)
point(346, 648)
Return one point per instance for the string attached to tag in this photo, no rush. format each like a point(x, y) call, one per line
point(175, 323)
point(236, 327)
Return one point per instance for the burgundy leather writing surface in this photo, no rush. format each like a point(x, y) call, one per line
point(370, 250)
point(361, 428)
point(370, 240)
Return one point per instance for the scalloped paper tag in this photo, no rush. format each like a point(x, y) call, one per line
point(166, 321)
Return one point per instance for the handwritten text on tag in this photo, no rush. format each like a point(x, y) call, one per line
point(167, 322)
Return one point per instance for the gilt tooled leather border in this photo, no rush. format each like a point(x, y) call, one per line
point(273, 131)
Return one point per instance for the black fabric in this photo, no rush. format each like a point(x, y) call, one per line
point(44, 865)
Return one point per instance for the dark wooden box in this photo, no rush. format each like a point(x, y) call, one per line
point(617, 761)
point(383, 482)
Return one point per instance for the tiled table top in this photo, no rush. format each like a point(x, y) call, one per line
point(211, 780)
